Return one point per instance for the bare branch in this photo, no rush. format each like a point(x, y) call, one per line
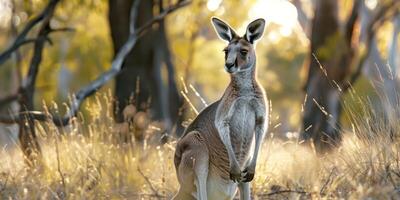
point(33, 40)
point(133, 16)
point(64, 29)
point(115, 68)
point(37, 55)
point(149, 183)
point(8, 99)
point(7, 53)
point(20, 40)
point(162, 15)
point(119, 58)
point(283, 191)
point(40, 116)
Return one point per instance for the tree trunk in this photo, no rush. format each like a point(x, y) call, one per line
point(322, 111)
point(392, 82)
point(330, 59)
point(27, 134)
point(140, 81)
point(384, 76)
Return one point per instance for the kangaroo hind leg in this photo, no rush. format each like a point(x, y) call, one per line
point(182, 195)
point(244, 190)
point(201, 172)
point(193, 166)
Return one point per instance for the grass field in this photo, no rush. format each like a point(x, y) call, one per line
point(86, 161)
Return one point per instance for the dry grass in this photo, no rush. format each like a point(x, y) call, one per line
point(84, 161)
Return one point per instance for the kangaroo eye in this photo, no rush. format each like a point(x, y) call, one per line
point(243, 52)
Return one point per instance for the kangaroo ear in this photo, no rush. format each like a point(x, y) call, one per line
point(223, 30)
point(255, 30)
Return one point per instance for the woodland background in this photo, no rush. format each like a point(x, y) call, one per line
point(69, 80)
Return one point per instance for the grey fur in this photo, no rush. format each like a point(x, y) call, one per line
point(213, 157)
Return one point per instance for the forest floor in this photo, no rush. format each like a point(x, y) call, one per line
point(86, 161)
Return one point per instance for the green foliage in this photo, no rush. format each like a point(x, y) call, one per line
point(329, 49)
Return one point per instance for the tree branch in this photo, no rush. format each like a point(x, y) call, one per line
point(115, 68)
point(20, 40)
point(8, 99)
point(149, 183)
point(119, 58)
point(162, 15)
point(37, 115)
point(64, 29)
point(28, 86)
point(284, 191)
point(42, 37)
point(7, 53)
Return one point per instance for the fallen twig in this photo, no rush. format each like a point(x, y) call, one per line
point(149, 183)
point(327, 181)
point(283, 191)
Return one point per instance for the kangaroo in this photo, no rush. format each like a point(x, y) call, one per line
point(214, 156)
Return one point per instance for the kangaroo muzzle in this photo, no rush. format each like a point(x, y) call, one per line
point(231, 68)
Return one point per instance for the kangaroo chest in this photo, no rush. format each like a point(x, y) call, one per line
point(242, 126)
point(241, 132)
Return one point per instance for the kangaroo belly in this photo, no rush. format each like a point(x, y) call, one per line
point(242, 128)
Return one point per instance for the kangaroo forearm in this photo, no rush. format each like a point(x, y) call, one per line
point(261, 113)
point(259, 135)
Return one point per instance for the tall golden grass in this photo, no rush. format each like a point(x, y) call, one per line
point(86, 161)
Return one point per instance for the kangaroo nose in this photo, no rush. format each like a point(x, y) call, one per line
point(229, 65)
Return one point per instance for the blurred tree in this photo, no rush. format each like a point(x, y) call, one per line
point(383, 75)
point(25, 96)
point(335, 52)
point(27, 134)
point(147, 78)
point(323, 97)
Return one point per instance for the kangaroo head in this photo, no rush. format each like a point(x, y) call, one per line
point(239, 54)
